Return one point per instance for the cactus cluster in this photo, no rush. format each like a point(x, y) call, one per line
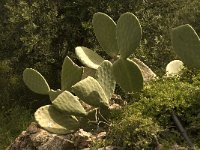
point(119, 40)
point(77, 88)
point(186, 44)
point(63, 115)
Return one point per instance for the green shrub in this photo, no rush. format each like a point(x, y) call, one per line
point(154, 107)
point(134, 131)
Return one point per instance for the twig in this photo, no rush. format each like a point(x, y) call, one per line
point(182, 130)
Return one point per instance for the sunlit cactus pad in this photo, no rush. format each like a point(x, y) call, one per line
point(71, 74)
point(49, 118)
point(90, 91)
point(54, 93)
point(88, 57)
point(105, 78)
point(69, 104)
point(35, 81)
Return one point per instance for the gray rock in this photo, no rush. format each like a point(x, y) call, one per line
point(147, 73)
point(35, 138)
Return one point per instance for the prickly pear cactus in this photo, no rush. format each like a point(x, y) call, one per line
point(105, 78)
point(54, 93)
point(186, 44)
point(174, 68)
point(52, 120)
point(91, 92)
point(130, 81)
point(123, 38)
point(69, 104)
point(88, 72)
point(70, 74)
point(105, 32)
point(35, 81)
point(128, 33)
point(88, 57)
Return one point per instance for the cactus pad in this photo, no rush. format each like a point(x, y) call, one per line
point(147, 73)
point(69, 104)
point(54, 93)
point(49, 118)
point(128, 75)
point(186, 44)
point(128, 32)
point(71, 74)
point(35, 81)
point(174, 68)
point(105, 78)
point(88, 57)
point(90, 91)
point(88, 72)
point(105, 31)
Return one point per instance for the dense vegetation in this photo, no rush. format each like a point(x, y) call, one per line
point(39, 34)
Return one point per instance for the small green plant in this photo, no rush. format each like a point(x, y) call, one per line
point(122, 38)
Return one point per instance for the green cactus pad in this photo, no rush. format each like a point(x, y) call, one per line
point(147, 73)
point(105, 78)
point(35, 81)
point(90, 91)
point(71, 74)
point(128, 75)
point(53, 94)
point(52, 120)
point(105, 31)
point(186, 44)
point(69, 104)
point(174, 68)
point(128, 33)
point(88, 72)
point(88, 57)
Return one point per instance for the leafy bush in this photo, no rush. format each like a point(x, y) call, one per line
point(154, 107)
point(134, 131)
